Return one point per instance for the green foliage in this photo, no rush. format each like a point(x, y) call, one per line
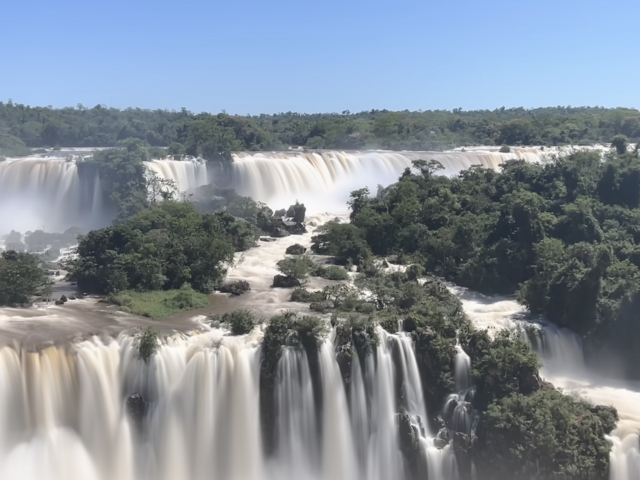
point(21, 278)
point(215, 136)
point(148, 344)
point(332, 272)
point(344, 242)
point(161, 247)
point(159, 304)
point(501, 367)
point(305, 296)
point(12, 146)
point(544, 435)
point(298, 266)
point(240, 322)
point(562, 236)
point(620, 143)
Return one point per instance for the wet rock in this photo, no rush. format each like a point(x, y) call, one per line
point(136, 408)
point(283, 281)
point(279, 233)
point(72, 297)
point(296, 249)
point(63, 298)
point(409, 438)
point(294, 228)
point(236, 288)
point(59, 302)
point(463, 449)
point(385, 264)
point(267, 239)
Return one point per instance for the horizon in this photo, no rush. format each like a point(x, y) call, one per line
point(80, 106)
point(248, 57)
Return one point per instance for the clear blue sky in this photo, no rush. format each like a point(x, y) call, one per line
point(253, 56)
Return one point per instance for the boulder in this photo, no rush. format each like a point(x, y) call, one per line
point(280, 213)
point(136, 408)
point(63, 298)
point(279, 233)
point(59, 302)
point(236, 288)
point(267, 239)
point(283, 281)
point(295, 249)
point(294, 228)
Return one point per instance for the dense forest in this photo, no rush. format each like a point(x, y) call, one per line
point(23, 128)
point(564, 237)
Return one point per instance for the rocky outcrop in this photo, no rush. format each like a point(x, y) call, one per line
point(282, 281)
point(463, 449)
point(236, 288)
point(295, 249)
point(409, 438)
point(136, 408)
point(280, 232)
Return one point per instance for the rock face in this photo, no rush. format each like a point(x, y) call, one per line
point(282, 281)
point(236, 288)
point(409, 438)
point(280, 213)
point(294, 228)
point(136, 408)
point(296, 249)
point(463, 448)
point(280, 232)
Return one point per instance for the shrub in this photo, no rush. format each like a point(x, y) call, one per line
point(148, 344)
point(305, 296)
point(240, 322)
point(332, 272)
point(505, 149)
point(298, 267)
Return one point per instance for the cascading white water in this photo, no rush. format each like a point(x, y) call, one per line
point(564, 366)
point(46, 191)
point(63, 413)
point(37, 193)
point(329, 176)
point(187, 174)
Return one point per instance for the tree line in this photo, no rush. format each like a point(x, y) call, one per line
point(214, 136)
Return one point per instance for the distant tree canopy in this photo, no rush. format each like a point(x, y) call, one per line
point(215, 136)
point(162, 247)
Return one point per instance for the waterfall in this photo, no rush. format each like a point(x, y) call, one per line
point(37, 193)
point(187, 174)
point(325, 179)
point(65, 412)
point(47, 191)
point(563, 365)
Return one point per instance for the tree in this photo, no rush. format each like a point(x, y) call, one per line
point(620, 143)
point(160, 188)
point(21, 278)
